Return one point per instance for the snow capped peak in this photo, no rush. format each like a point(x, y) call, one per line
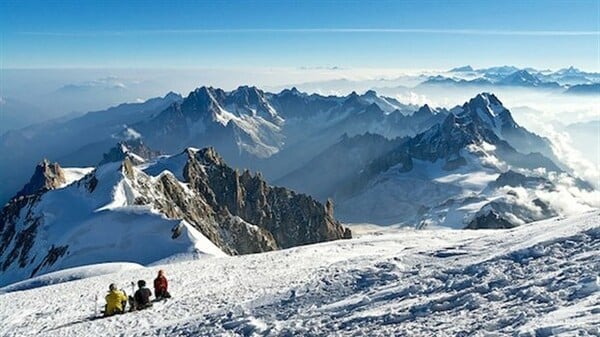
point(249, 94)
point(173, 95)
point(121, 208)
point(481, 119)
point(486, 101)
point(521, 77)
point(386, 104)
point(481, 113)
point(490, 110)
point(569, 71)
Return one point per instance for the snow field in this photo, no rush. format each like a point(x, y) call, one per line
point(539, 279)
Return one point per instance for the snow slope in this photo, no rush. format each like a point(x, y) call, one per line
point(538, 279)
point(104, 226)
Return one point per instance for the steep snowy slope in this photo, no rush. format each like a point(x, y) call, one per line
point(539, 279)
point(187, 204)
point(71, 226)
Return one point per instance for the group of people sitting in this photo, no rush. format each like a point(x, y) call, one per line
point(116, 300)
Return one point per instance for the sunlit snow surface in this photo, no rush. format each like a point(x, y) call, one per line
point(104, 226)
point(538, 279)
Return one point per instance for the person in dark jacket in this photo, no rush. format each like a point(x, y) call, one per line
point(161, 286)
point(141, 297)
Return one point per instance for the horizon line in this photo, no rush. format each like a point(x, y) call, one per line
point(317, 30)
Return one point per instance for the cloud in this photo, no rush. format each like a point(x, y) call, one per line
point(109, 83)
point(567, 198)
point(411, 97)
point(127, 133)
point(566, 152)
point(320, 31)
point(321, 68)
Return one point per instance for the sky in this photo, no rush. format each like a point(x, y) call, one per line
point(299, 34)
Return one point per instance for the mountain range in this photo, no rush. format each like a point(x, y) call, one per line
point(568, 80)
point(474, 169)
point(343, 147)
point(185, 205)
point(565, 76)
point(472, 166)
point(249, 127)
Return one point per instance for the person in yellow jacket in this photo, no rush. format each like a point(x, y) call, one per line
point(115, 301)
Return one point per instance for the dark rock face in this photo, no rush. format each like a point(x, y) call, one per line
point(18, 208)
point(501, 214)
point(491, 220)
point(122, 149)
point(47, 176)
point(515, 179)
point(292, 219)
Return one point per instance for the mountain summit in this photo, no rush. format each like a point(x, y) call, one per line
point(185, 205)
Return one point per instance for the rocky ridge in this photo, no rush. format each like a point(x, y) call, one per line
point(238, 212)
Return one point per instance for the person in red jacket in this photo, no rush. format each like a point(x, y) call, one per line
point(161, 286)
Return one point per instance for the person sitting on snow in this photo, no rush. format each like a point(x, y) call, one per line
point(160, 286)
point(142, 296)
point(115, 301)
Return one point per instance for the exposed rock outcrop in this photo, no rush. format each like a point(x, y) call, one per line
point(292, 219)
point(47, 176)
point(135, 149)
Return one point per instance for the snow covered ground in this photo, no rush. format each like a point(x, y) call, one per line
point(539, 279)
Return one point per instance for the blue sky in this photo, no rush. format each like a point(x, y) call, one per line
point(350, 34)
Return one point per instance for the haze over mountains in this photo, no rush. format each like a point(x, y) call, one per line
point(226, 172)
point(288, 134)
point(37, 95)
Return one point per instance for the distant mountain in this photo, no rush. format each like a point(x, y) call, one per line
point(322, 176)
point(497, 77)
point(584, 89)
point(188, 204)
point(15, 114)
point(462, 69)
point(249, 127)
point(574, 76)
point(522, 78)
point(77, 142)
point(440, 80)
point(529, 77)
point(458, 173)
point(369, 152)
